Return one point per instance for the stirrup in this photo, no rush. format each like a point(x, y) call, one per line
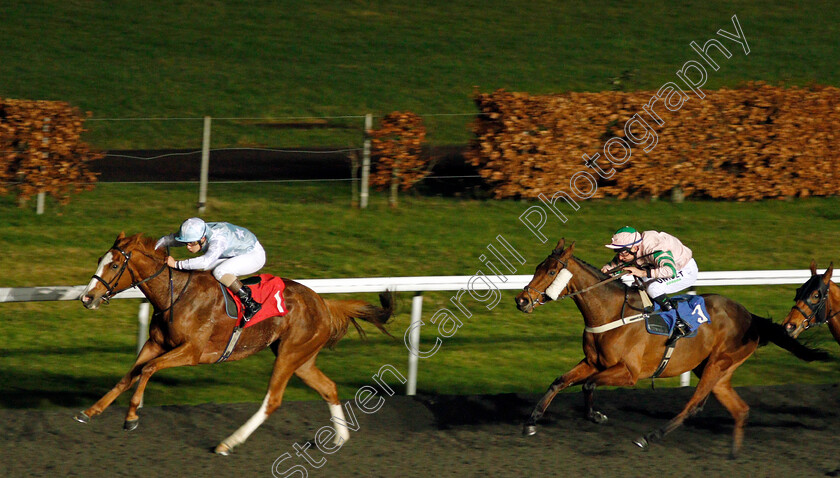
point(251, 310)
point(681, 329)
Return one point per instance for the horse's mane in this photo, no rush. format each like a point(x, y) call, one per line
point(146, 244)
point(595, 270)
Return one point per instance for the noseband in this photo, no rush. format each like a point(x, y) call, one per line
point(134, 282)
point(543, 297)
point(819, 311)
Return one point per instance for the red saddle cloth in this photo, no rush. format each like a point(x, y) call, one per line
point(269, 293)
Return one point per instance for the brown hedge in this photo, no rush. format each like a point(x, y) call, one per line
point(398, 149)
point(757, 141)
point(41, 149)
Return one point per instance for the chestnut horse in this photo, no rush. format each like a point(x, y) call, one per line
point(198, 330)
point(623, 355)
point(817, 302)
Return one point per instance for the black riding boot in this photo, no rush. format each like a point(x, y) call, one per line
point(664, 302)
point(248, 303)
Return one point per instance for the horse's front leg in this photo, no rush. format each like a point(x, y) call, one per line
point(185, 354)
point(574, 376)
point(149, 351)
point(618, 375)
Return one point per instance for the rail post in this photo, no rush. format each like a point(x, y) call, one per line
point(205, 167)
point(414, 342)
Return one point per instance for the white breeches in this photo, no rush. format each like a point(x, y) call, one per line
point(240, 265)
point(685, 278)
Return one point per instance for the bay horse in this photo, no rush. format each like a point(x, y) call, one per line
point(190, 327)
point(623, 355)
point(817, 302)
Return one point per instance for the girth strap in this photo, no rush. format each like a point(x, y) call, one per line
point(666, 357)
point(234, 338)
point(615, 324)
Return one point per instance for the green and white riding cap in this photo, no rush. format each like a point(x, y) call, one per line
point(625, 238)
point(192, 230)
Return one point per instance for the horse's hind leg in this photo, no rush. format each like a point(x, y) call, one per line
point(578, 373)
point(285, 365)
point(712, 375)
point(149, 351)
point(315, 378)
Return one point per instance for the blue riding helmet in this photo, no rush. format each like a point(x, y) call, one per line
point(192, 230)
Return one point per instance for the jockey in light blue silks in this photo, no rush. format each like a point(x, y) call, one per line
point(229, 251)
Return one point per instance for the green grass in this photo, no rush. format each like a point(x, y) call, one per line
point(269, 59)
point(58, 353)
point(263, 59)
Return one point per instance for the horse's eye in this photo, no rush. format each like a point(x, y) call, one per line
point(115, 266)
point(551, 273)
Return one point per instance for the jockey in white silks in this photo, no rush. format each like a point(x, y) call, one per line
point(664, 265)
point(229, 251)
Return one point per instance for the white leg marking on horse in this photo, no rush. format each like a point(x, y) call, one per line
point(239, 436)
point(106, 259)
point(342, 433)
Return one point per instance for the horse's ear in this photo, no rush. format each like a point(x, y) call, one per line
point(813, 267)
point(566, 253)
point(827, 276)
point(121, 236)
point(560, 244)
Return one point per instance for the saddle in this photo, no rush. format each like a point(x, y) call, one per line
point(689, 308)
point(233, 306)
point(265, 289)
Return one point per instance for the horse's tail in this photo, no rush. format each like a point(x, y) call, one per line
point(345, 312)
point(769, 331)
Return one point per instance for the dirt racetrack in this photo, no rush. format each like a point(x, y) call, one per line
point(792, 432)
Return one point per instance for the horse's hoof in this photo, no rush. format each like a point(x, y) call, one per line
point(529, 430)
point(131, 425)
point(82, 417)
point(642, 443)
point(597, 417)
point(223, 449)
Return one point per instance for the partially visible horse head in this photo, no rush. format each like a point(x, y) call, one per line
point(114, 273)
point(550, 279)
point(811, 299)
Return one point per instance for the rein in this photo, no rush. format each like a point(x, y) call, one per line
point(543, 296)
point(597, 284)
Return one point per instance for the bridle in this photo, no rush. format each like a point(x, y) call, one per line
point(110, 286)
point(543, 298)
point(819, 310)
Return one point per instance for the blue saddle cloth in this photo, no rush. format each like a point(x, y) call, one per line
point(691, 309)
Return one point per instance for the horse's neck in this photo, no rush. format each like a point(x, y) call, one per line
point(159, 290)
point(599, 305)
